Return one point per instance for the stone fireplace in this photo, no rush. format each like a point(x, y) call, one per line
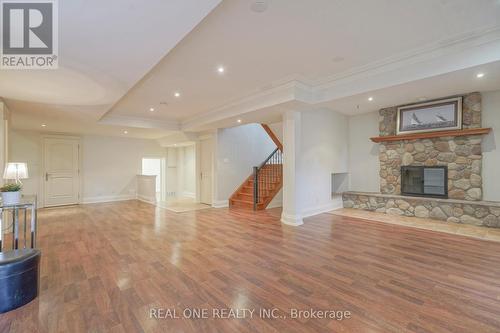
point(461, 155)
point(437, 177)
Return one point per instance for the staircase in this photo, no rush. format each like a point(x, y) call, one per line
point(259, 189)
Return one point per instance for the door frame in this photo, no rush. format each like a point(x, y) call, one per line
point(211, 138)
point(43, 170)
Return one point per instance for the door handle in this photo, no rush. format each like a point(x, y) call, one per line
point(46, 176)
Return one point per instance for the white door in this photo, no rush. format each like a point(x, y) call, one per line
point(206, 156)
point(61, 171)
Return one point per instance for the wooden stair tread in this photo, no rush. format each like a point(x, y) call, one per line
point(242, 200)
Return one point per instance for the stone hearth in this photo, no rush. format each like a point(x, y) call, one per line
point(484, 213)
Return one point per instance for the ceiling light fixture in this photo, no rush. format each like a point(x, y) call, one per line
point(152, 109)
point(239, 121)
point(479, 75)
point(44, 125)
point(125, 132)
point(221, 69)
point(177, 94)
point(370, 99)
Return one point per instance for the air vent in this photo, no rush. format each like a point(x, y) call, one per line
point(259, 6)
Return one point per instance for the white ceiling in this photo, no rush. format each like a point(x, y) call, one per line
point(320, 53)
point(105, 47)
point(304, 40)
point(452, 83)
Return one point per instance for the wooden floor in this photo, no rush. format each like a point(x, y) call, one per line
point(105, 266)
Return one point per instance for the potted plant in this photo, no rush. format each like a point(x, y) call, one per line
point(11, 193)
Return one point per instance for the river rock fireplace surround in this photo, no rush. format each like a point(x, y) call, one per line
point(433, 175)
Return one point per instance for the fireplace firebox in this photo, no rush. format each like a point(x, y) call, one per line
point(425, 181)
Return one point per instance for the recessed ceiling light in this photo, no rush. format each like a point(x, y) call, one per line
point(151, 109)
point(239, 120)
point(125, 132)
point(370, 99)
point(44, 125)
point(177, 94)
point(479, 75)
point(221, 69)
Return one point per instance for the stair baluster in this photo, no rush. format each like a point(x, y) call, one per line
point(265, 175)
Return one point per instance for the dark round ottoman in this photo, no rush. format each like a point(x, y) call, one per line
point(19, 275)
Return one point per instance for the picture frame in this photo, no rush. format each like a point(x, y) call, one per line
point(438, 115)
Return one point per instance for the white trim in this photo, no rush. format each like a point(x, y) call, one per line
point(142, 198)
point(440, 48)
point(220, 204)
point(293, 220)
point(334, 205)
point(108, 198)
point(275, 204)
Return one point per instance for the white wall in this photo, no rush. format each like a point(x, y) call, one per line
point(238, 150)
point(26, 147)
point(363, 153)
point(323, 151)
point(109, 167)
point(491, 145)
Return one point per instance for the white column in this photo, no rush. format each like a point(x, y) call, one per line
point(291, 214)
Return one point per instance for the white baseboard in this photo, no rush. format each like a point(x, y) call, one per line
point(293, 220)
point(335, 204)
point(108, 198)
point(151, 200)
point(296, 220)
point(220, 204)
point(275, 205)
point(189, 194)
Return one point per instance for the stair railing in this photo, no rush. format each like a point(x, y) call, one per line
point(267, 173)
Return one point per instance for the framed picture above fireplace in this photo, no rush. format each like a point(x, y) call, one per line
point(438, 115)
